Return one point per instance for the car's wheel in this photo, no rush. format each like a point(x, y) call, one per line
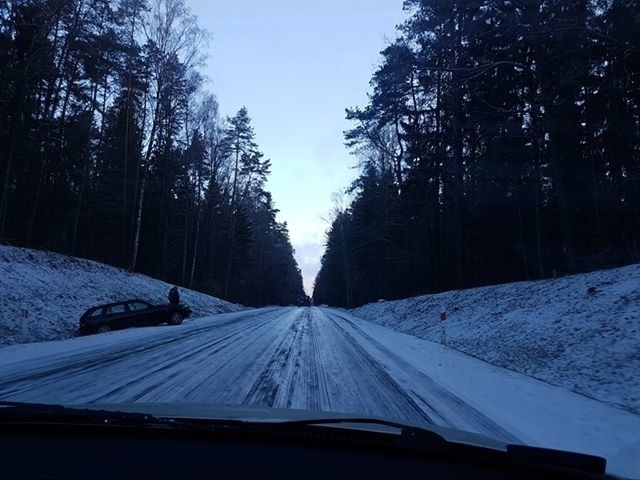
point(175, 318)
point(104, 329)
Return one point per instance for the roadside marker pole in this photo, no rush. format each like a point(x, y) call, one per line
point(25, 324)
point(443, 321)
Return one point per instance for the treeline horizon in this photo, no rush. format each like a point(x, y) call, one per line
point(111, 149)
point(501, 142)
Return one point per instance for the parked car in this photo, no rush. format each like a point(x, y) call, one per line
point(130, 313)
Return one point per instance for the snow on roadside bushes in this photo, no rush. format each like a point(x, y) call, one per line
point(581, 332)
point(57, 289)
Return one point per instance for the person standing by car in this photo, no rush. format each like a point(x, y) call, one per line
point(174, 296)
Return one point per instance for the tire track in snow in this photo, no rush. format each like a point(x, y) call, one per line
point(316, 375)
point(287, 358)
point(237, 369)
point(50, 376)
point(278, 369)
point(448, 408)
point(179, 362)
point(384, 393)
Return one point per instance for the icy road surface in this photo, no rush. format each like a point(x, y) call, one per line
point(317, 359)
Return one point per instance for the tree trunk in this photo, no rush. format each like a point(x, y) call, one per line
point(4, 198)
point(76, 221)
point(185, 244)
point(195, 249)
point(136, 236)
point(233, 218)
point(145, 168)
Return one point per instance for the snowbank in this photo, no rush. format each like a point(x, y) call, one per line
point(57, 289)
point(556, 330)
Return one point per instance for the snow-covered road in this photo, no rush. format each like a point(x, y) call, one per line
point(317, 359)
point(289, 358)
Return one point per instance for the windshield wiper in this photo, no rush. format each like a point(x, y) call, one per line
point(407, 437)
point(35, 413)
point(347, 420)
point(428, 441)
point(525, 454)
point(17, 412)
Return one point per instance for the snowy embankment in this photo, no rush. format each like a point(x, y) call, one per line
point(581, 332)
point(57, 289)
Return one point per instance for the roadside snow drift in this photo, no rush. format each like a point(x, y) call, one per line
point(57, 289)
point(581, 332)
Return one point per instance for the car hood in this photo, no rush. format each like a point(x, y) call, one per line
point(202, 411)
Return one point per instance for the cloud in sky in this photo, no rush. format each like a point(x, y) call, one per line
point(307, 255)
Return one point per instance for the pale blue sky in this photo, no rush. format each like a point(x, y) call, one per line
point(296, 65)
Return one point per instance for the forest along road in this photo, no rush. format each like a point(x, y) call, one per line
point(307, 358)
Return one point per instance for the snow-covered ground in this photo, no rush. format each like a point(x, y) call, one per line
point(57, 289)
point(555, 330)
point(331, 360)
point(318, 359)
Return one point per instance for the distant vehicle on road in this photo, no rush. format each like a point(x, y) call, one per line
point(130, 313)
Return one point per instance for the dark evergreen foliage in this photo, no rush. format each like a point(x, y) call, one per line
point(110, 150)
point(501, 142)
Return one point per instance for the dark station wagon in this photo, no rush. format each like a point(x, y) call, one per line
point(130, 313)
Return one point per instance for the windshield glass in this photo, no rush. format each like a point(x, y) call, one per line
point(425, 211)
